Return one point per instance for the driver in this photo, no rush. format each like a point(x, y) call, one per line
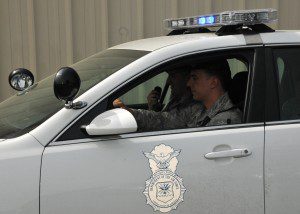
point(181, 103)
point(209, 83)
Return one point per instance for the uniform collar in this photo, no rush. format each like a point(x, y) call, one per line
point(222, 104)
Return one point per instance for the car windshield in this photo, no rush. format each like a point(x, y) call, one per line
point(24, 111)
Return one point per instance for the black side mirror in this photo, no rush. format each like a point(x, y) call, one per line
point(20, 79)
point(66, 86)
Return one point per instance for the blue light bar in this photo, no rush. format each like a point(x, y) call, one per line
point(244, 17)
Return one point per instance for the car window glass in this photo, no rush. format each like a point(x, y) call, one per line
point(136, 98)
point(280, 67)
point(20, 114)
point(236, 66)
point(138, 95)
point(134, 93)
point(288, 75)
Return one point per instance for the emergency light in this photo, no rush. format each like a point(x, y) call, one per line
point(238, 17)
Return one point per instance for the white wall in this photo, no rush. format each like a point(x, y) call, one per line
point(44, 35)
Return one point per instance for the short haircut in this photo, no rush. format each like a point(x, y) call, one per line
point(219, 68)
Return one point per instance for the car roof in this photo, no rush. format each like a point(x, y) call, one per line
point(151, 44)
point(281, 37)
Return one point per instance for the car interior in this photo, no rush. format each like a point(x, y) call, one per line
point(136, 96)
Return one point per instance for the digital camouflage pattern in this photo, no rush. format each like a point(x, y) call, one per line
point(192, 115)
point(178, 105)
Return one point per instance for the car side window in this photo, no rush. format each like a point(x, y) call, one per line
point(134, 95)
point(175, 114)
point(288, 78)
point(137, 96)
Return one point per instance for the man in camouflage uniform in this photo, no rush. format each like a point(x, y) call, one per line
point(181, 96)
point(181, 103)
point(208, 82)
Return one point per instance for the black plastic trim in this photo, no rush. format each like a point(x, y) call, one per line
point(272, 111)
point(189, 31)
point(243, 29)
point(285, 122)
point(256, 100)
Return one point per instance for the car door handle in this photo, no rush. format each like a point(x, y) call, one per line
point(236, 153)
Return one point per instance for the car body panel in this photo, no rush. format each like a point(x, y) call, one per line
point(109, 176)
point(281, 37)
point(282, 170)
point(20, 162)
point(151, 44)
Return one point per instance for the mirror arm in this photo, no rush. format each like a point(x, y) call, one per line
point(83, 129)
point(77, 105)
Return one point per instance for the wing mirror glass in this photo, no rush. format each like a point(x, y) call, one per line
point(21, 79)
point(66, 86)
point(112, 122)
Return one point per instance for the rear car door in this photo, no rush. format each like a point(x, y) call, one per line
point(209, 170)
point(282, 169)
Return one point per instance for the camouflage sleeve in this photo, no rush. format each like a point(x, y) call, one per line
point(229, 117)
point(175, 119)
point(152, 121)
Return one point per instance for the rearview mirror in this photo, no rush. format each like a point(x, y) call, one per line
point(112, 122)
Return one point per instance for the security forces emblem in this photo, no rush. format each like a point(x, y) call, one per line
point(164, 190)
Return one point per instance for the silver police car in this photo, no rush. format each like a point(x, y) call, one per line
point(80, 154)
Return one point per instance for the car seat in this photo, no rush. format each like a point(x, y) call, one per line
point(238, 88)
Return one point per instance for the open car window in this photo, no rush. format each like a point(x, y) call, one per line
point(134, 93)
point(137, 96)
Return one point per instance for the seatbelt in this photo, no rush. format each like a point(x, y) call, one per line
point(163, 95)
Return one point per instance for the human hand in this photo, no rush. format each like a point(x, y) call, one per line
point(117, 103)
point(152, 99)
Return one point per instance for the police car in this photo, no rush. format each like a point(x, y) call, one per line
point(79, 154)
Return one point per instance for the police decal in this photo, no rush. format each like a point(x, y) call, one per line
point(164, 190)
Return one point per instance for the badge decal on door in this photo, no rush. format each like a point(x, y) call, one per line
point(164, 190)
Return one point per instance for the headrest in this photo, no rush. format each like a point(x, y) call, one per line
point(238, 87)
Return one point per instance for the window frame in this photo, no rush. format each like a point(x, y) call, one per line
point(272, 110)
point(151, 72)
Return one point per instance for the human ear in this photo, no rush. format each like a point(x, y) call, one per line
point(214, 82)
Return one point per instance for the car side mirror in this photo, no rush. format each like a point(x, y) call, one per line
point(20, 79)
point(66, 86)
point(112, 122)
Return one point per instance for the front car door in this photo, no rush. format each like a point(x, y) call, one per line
point(165, 170)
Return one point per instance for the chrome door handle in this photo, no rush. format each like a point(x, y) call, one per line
point(236, 153)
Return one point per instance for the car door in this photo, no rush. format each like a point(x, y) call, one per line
point(282, 167)
point(208, 169)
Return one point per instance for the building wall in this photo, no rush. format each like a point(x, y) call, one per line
point(44, 35)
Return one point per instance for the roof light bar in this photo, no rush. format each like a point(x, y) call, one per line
point(244, 17)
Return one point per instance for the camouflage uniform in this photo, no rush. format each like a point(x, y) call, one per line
point(177, 105)
point(221, 113)
point(180, 111)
